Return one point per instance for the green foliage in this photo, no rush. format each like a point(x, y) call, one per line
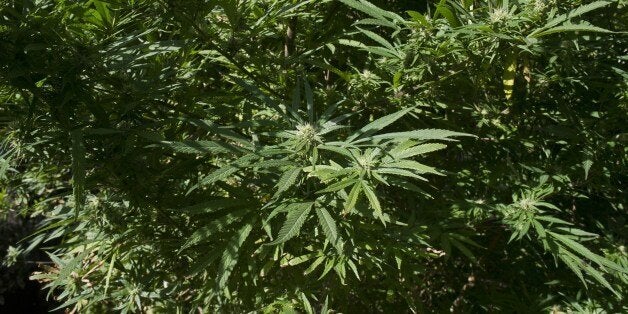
point(319, 156)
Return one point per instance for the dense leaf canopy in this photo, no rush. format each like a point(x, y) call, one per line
point(319, 156)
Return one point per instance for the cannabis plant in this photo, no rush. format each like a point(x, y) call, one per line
point(319, 156)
